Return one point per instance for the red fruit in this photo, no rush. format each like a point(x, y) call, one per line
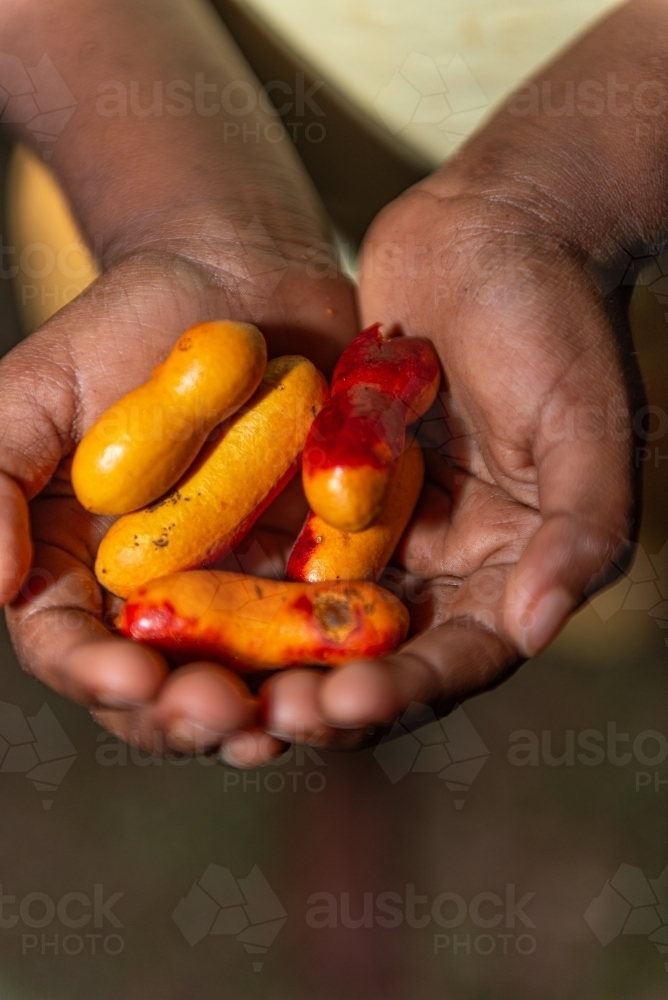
point(379, 386)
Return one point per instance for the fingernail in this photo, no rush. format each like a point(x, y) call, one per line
point(279, 734)
point(191, 736)
point(237, 750)
point(545, 620)
point(113, 701)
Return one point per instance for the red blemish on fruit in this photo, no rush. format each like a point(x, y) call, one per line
point(303, 604)
point(360, 426)
point(400, 366)
point(161, 626)
point(302, 551)
point(146, 622)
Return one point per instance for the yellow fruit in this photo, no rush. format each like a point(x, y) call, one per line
point(325, 553)
point(142, 444)
point(231, 482)
point(253, 624)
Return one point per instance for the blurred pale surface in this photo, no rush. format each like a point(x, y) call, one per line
point(53, 264)
point(430, 70)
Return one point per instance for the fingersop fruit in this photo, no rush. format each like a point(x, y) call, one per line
point(233, 479)
point(251, 624)
point(325, 553)
point(142, 444)
point(379, 386)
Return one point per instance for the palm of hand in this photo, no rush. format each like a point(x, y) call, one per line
point(508, 518)
point(529, 489)
point(85, 358)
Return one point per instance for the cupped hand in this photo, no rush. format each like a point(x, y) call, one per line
point(195, 223)
point(530, 498)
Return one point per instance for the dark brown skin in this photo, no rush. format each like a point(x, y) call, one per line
point(532, 492)
point(194, 224)
point(490, 258)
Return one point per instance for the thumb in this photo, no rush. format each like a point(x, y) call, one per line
point(533, 366)
point(37, 407)
point(585, 489)
point(582, 451)
point(55, 383)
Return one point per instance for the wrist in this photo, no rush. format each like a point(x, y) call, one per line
point(582, 150)
point(157, 136)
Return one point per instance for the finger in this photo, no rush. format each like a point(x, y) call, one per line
point(71, 651)
point(250, 748)
point(102, 669)
point(199, 705)
point(32, 442)
point(290, 709)
point(442, 667)
point(58, 629)
point(585, 490)
point(15, 541)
